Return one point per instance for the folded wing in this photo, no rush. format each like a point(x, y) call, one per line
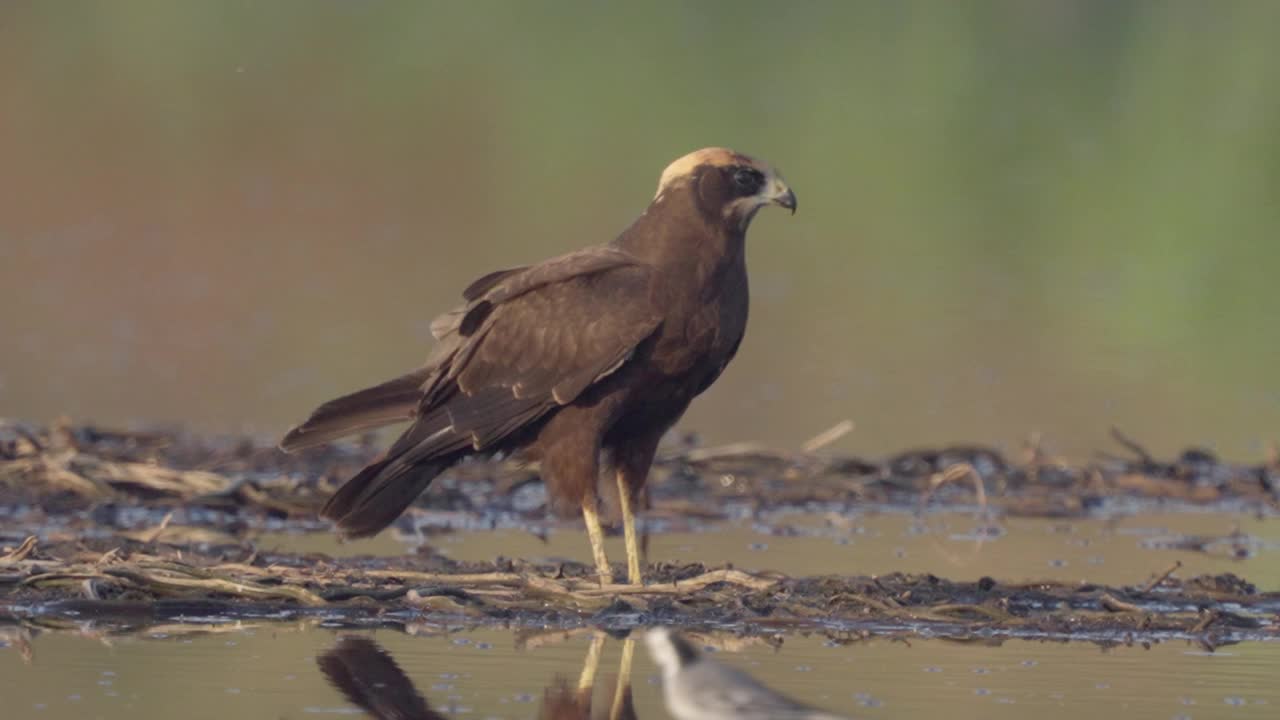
point(528, 341)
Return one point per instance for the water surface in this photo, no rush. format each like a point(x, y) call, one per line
point(270, 671)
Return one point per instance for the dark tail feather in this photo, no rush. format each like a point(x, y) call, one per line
point(369, 677)
point(376, 496)
point(392, 401)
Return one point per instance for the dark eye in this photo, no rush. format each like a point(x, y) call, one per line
point(748, 180)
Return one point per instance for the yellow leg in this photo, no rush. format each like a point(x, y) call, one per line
point(624, 678)
point(629, 533)
point(596, 535)
point(587, 679)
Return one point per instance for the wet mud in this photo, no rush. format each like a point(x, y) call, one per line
point(62, 469)
point(129, 588)
point(128, 530)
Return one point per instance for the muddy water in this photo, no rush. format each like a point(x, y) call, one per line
point(268, 671)
point(1122, 549)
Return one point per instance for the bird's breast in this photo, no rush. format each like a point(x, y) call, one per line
point(702, 330)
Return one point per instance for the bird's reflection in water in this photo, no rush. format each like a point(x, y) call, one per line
point(698, 687)
point(560, 701)
point(368, 676)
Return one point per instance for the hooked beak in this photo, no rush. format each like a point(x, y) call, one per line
point(780, 194)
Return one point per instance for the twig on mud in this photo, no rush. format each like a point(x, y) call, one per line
point(756, 450)
point(690, 585)
point(597, 595)
point(493, 578)
point(70, 578)
point(1111, 603)
point(155, 478)
point(21, 552)
point(1033, 456)
point(94, 477)
point(255, 496)
point(951, 610)
point(182, 536)
point(954, 473)
point(166, 577)
point(164, 523)
point(169, 583)
point(159, 470)
point(34, 445)
point(888, 605)
point(52, 469)
point(1207, 618)
point(732, 450)
point(441, 603)
point(143, 581)
point(1033, 451)
point(828, 436)
point(1162, 577)
point(109, 556)
point(547, 586)
point(1133, 446)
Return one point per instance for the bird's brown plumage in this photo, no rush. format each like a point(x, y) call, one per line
point(597, 351)
point(368, 676)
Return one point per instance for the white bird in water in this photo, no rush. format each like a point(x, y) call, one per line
point(696, 687)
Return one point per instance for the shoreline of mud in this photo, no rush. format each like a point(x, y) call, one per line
point(131, 530)
point(60, 470)
point(134, 589)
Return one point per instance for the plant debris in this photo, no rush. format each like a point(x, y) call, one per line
point(133, 586)
point(93, 496)
point(63, 469)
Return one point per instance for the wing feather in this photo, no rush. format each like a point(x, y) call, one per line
point(537, 351)
point(389, 402)
point(527, 341)
point(557, 341)
point(578, 264)
point(485, 283)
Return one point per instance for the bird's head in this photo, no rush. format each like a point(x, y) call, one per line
point(726, 186)
point(670, 651)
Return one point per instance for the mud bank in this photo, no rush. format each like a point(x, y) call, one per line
point(47, 472)
point(129, 588)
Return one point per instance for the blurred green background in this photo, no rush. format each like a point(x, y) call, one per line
point(1015, 215)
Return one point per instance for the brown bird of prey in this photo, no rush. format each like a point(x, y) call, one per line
point(578, 361)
